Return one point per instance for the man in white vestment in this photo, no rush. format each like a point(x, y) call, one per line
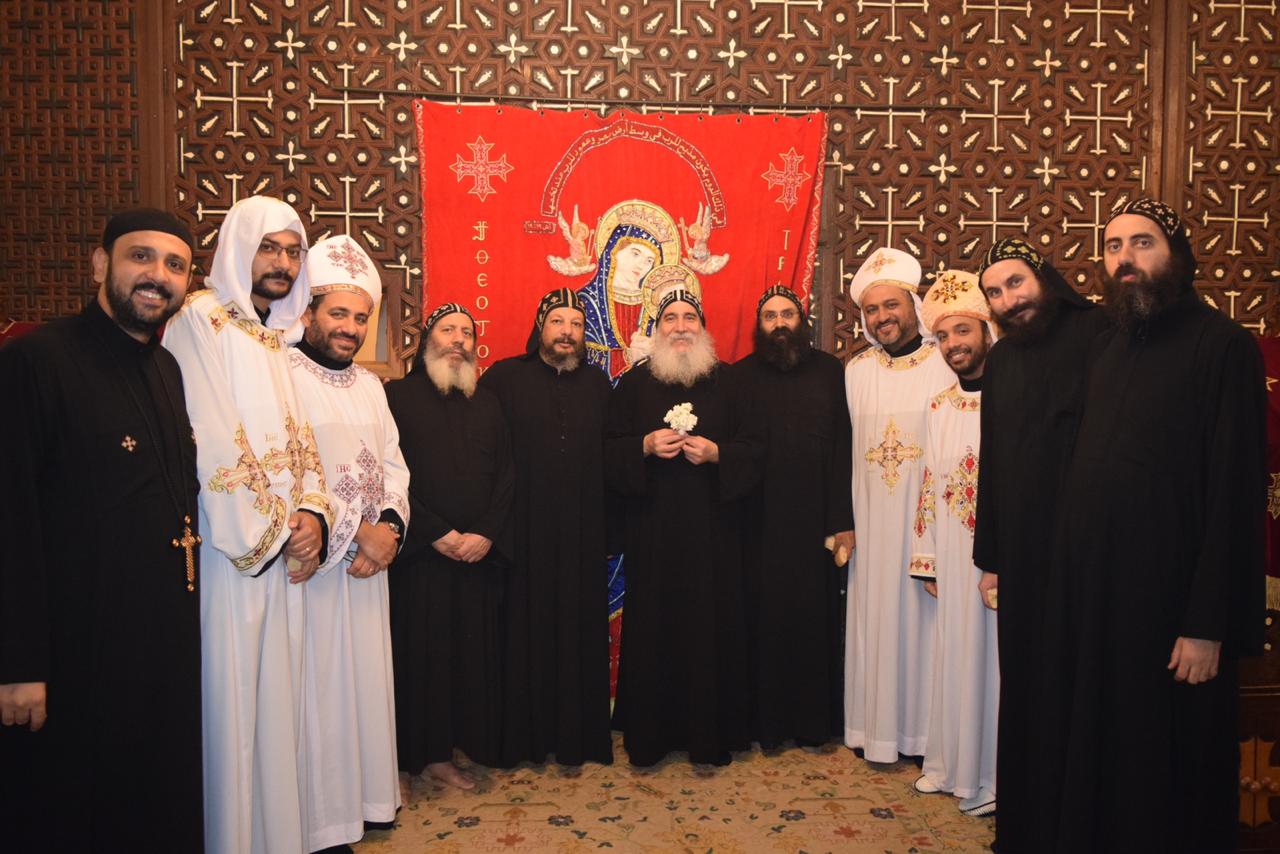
point(889, 627)
point(264, 517)
point(348, 703)
point(961, 754)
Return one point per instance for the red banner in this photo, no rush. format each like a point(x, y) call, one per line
point(517, 202)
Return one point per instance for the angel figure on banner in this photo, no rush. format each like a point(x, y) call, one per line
point(632, 239)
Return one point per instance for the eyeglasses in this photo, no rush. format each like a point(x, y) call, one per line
point(786, 314)
point(271, 249)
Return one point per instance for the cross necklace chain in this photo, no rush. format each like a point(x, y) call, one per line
point(189, 540)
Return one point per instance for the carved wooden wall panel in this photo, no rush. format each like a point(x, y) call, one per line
point(951, 124)
point(1230, 156)
point(68, 146)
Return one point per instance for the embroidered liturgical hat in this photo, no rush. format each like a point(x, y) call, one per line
point(1158, 212)
point(954, 292)
point(339, 264)
point(559, 298)
point(886, 267)
point(778, 291)
point(680, 295)
point(442, 311)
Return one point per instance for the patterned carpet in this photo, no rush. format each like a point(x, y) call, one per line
point(794, 801)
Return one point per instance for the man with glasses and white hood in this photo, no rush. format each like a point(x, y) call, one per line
point(264, 519)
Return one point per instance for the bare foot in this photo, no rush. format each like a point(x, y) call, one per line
point(451, 775)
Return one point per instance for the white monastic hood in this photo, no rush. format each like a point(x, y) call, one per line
point(238, 239)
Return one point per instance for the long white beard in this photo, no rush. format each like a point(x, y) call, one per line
point(675, 367)
point(446, 376)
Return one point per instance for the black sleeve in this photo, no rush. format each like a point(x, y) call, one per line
point(1227, 596)
point(24, 569)
point(742, 455)
point(985, 536)
point(626, 472)
point(840, 479)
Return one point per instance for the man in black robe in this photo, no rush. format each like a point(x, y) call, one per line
point(1159, 586)
point(447, 584)
point(1031, 399)
point(99, 618)
point(556, 670)
point(795, 630)
point(682, 677)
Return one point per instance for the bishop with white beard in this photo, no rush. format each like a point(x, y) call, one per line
point(682, 680)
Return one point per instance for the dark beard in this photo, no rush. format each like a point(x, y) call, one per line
point(783, 348)
point(262, 289)
point(1028, 331)
point(563, 361)
point(123, 311)
point(1132, 307)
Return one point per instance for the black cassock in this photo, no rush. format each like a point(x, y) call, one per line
point(445, 614)
point(1163, 514)
point(98, 469)
point(556, 663)
point(795, 611)
point(1032, 394)
point(682, 675)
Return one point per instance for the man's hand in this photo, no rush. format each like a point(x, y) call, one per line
point(301, 570)
point(363, 566)
point(23, 703)
point(931, 587)
point(1194, 660)
point(305, 541)
point(473, 548)
point(987, 589)
point(843, 547)
point(378, 542)
point(699, 450)
point(448, 545)
point(664, 443)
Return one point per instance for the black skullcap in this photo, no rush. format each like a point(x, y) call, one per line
point(145, 219)
point(1011, 247)
point(441, 311)
point(778, 291)
point(559, 298)
point(1050, 279)
point(1158, 212)
point(680, 295)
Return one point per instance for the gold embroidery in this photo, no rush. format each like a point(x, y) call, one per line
point(267, 540)
point(923, 566)
point(249, 473)
point(891, 453)
point(958, 399)
point(961, 494)
point(1273, 496)
point(879, 262)
point(925, 504)
point(320, 501)
point(907, 362)
point(298, 457)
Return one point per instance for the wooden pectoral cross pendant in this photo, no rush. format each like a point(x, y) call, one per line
point(188, 543)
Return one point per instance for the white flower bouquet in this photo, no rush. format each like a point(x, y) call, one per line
point(681, 418)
